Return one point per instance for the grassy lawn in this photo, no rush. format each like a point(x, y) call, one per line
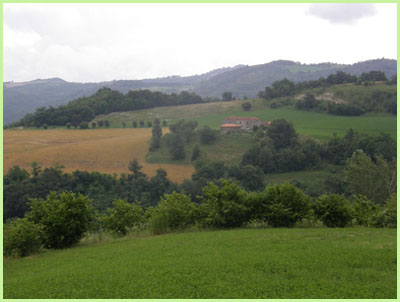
point(241, 263)
point(318, 125)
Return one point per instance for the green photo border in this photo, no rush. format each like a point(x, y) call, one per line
point(186, 1)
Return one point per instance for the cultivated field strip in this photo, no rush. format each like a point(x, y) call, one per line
point(103, 150)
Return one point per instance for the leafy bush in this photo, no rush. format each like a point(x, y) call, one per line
point(174, 211)
point(65, 217)
point(246, 106)
point(195, 153)
point(21, 237)
point(175, 146)
point(363, 211)
point(122, 216)
point(281, 205)
point(83, 125)
point(333, 210)
point(387, 216)
point(207, 135)
point(224, 206)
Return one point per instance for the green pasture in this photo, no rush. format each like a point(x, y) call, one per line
point(318, 125)
point(243, 263)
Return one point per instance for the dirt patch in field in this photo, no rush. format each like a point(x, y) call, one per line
point(103, 150)
point(328, 96)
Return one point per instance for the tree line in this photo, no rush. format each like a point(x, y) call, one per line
point(104, 101)
point(61, 219)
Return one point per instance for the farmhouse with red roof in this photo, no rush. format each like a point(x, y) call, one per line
point(235, 124)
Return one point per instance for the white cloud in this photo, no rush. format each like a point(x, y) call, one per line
point(347, 13)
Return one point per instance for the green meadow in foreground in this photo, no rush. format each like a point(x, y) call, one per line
point(241, 263)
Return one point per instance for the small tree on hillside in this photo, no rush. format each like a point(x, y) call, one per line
point(141, 123)
point(207, 135)
point(149, 124)
point(282, 133)
point(246, 106)
point(93, 125)
point(100, 123)
point(196, 152)
point(156, 135)
point(106, 123)
point(227, 96)
point(134, 124)
point(83, 125)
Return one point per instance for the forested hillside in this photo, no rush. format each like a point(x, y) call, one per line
point(339, 94)
point(241, 80)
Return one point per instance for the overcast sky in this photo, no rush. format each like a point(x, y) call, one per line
point(102, 42)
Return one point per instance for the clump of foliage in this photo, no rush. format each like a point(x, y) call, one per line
point(375, 180)
point(156, 135)
point(195, 153)
point(281, 205)
point(122, 217)
point(84, 125)
point(21, 237)
point(207, 135)
point(174, 211)
point(65, 217)
point(246, 106)
point(333, 210)
point(387, 215)
point(224, 206)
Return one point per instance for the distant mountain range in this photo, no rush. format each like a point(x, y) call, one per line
point(20, 98)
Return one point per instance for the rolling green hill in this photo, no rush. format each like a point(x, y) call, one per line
point(319, 125)
point(242, 263)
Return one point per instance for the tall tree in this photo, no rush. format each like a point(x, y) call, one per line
point(156, 135)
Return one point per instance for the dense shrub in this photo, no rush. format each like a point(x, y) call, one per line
point(387, 216)
point(224, 206)
point(262, 157)
point(281, 205)
point(333, 210)
point(207, 135)
point(251, 178)
point(282, 133)
point(195, 153)
point(84, 125)
point(364, 211)
point(65, 218)
point(122, 217)
point(21, 237)
point(174, 211)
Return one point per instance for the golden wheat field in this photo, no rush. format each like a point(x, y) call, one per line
point(103, 150)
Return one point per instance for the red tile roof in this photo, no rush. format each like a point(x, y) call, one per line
point(230, 118)
point(230, 126)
